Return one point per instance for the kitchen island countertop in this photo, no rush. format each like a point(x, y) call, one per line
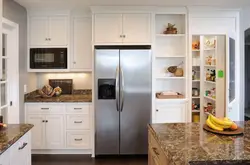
point(190, 144)
point(12, 134)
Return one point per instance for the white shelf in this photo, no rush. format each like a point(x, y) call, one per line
point(196, 66)
point(210, 82)
point(196, 97)
point(196, 111)
point(170, 56)
point(209, 98)
point(196, 80)
point(171, 78)
point(170, 35)
point(208, 49)
point(210, 66)
point(196, 50)
point(163, 101)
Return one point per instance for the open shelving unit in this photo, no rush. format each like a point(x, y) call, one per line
point(170, 50)
point(207, 61)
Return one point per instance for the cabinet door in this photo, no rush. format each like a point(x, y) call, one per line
point(108, 28)
point(82, 49)
point(54, 132)
point(58, 31)
point(5, 158)
point(38, 131)
point(171, 113)
point(136, 28)
point(38, 31)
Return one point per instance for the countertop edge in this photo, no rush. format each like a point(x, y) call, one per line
point(15, 139)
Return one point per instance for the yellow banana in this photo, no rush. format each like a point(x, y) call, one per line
point(222, 126)
point(221, 122)
point(211, 125)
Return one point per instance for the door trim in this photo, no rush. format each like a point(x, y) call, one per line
point(12, 29)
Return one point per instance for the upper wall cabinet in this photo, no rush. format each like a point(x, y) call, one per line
point(48, 31)
point(122, 28)
point(82, 54)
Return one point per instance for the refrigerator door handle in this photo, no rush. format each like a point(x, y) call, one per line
point(117, 88)
point(122, 88)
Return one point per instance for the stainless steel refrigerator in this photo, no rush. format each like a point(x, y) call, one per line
point(123, 98)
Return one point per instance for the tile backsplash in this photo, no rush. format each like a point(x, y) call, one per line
point(80, 80)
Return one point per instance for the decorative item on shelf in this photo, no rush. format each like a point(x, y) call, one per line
point(211, 93)
point(209, 60)
point(175, 70)
point(196, 45)
point(193, 74)
point(169, 95)
point(209, 43)
point(195, 92)
point(210, 75)
point(171, 29)
point(196, 118)
point(210, 108)
point(195, 106)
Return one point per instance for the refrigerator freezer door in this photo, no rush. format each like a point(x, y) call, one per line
point(136, 96)
point(106, 113)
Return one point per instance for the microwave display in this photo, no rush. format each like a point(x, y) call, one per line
point(48, 58)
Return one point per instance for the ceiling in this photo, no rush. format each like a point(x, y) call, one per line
point(72, 4)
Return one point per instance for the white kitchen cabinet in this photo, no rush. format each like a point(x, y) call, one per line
point(136, 28)
point(58, 27)
point(170, 113)
point(48, 31)
point(38, 121)
point(82, 40)
point(108, 28)
point(5, 158)
point(54, 131)
point(122, 28)
point(69, 128)
point(38, 31)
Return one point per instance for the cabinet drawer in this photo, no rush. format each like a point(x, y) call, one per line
point(45, 108)
point(77, 122)
point(77, 108)
point(78, 139)
point(157, 152)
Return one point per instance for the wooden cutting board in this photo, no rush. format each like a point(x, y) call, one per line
point(239, 131)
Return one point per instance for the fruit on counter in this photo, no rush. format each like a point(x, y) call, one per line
point(220, 124)
point(58, 90)
point(3, 125)
point(213, 126)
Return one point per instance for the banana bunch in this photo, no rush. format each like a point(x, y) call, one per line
point(220, 124)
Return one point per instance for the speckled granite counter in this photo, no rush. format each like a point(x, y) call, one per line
point(10, 135)
point(77, 96)
point(190, 144)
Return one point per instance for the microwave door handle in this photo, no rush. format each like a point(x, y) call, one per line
point(117, 88)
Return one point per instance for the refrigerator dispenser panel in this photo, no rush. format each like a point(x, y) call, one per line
point(106, 89)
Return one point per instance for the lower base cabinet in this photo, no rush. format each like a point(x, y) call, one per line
point(19, 153)
point(59, 126)
point(171, 113)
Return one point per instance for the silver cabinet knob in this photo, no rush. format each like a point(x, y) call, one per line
point(121, 36)
point(157, 110)
point(124, 36)
point(74, 62)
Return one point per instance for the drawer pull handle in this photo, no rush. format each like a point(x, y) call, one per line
point(24, 145)
point(77, 122)
point(77, 108)
point(78, 139)
point(155, 151)
point(44, 108)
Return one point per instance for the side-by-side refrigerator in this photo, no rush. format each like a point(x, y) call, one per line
point(123, 98)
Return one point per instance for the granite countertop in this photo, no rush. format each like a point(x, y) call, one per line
point(190, 144)
point(11, 134)
point(77, 96)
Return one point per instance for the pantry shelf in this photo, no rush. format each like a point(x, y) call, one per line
point(196, 80)
point(209, 98)
point(171, 78)
point(210, 66)
point(210, 82)
point(196, 97)
point(196, 111)
point(170, 56)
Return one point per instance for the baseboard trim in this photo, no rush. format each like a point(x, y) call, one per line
point(59, 152)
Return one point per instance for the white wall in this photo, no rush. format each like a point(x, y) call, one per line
point(80, 80)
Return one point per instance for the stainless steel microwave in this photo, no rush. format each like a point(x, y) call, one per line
point(48, 58)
